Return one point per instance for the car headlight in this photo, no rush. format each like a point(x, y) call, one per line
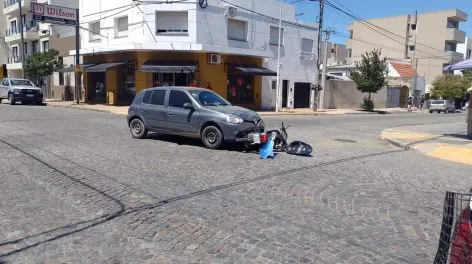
point(234, 119)
point(16, 91)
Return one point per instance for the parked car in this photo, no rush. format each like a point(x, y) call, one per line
point(20, 90)
point(442, 106)
point(192, 112)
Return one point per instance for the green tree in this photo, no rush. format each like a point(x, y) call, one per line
point(370, 75)
point(468, 75)
point(450, 86)
point(42, 64)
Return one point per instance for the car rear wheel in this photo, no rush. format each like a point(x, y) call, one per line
point(212, 137)
point(10, 98)
point(137, 128)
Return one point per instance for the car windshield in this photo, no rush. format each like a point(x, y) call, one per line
point(207, 98)
point(21, 82)
point(438, 102)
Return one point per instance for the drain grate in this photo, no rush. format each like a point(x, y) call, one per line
point(345, 140)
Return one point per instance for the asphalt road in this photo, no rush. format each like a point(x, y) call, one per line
point(76, 188)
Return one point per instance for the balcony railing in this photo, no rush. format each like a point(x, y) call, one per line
point(16, 30)
point(17, 59)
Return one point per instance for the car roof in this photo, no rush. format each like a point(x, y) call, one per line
point(178, 88)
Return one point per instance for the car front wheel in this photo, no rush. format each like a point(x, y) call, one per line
point(137, 128)
point(212, 137)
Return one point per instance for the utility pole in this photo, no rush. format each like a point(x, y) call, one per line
point(77, 58)
point(415, 83)
point(318, 62)
point(277, 90)
point(325, 66)
point(22, 45)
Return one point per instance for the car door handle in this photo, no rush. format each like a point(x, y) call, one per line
point(170, 114)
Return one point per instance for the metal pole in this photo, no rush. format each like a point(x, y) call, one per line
point(317, 79)
point(277, 90)
point(77, 57)
point(415, 83)
point(469, 114)
point(325, 62)
point(22, 45)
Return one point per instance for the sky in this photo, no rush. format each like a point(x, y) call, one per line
point(378, 8)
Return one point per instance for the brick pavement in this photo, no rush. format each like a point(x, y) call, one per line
point(167, 200)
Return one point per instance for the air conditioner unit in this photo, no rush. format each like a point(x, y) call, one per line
point(231, 11)
point(214, 58)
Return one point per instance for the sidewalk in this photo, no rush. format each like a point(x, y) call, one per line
point(123, 110)
point(443, 141)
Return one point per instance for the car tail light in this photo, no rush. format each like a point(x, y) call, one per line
point(263, 138)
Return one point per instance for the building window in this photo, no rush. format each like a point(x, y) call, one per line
point(452, 24)
point(274, 85)
point(171, 23)
point(349, 53)
point(121, 27)
point(351, 33)
point(307, 45)
point(45, 45)
point(450, 46)
point(274, 36)
point(469, 54)
point(411, 47)
point(413, 26)
point(25, 48)
point(34, 46)
point(13, 28)
point(14, 51)
point(94, 33)
point(237, 30)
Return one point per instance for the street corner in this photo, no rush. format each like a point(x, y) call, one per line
point(404, 138)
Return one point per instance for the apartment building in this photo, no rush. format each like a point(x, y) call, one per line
point(38, 37)
point(431, 38)
point(337, 53)
point(3, 46)
point(229, 46)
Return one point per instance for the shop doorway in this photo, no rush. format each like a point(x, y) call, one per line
point(97, 89)
point(240, 89)
point(128, 88)
point(302, 95)
point(284, 93)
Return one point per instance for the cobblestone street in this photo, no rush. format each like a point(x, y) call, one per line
point(77, 188)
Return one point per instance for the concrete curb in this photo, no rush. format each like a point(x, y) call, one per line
point(398, 144)
point(81, 108)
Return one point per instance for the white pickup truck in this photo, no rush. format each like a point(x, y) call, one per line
point(20, 90)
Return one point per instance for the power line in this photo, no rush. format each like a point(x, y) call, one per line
point(150, 31)
point(358, 18)
point(108, 10)
point(114, 14)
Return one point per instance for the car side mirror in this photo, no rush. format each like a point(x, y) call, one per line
point(189, 106)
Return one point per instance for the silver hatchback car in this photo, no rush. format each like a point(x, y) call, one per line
point(442, 106)
point(192, 112)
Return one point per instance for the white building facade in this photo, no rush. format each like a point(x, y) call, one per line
point(228, 46)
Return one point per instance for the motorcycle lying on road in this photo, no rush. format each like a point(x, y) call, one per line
point(279, 138)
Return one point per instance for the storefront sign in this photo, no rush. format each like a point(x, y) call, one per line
point(54, 14)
